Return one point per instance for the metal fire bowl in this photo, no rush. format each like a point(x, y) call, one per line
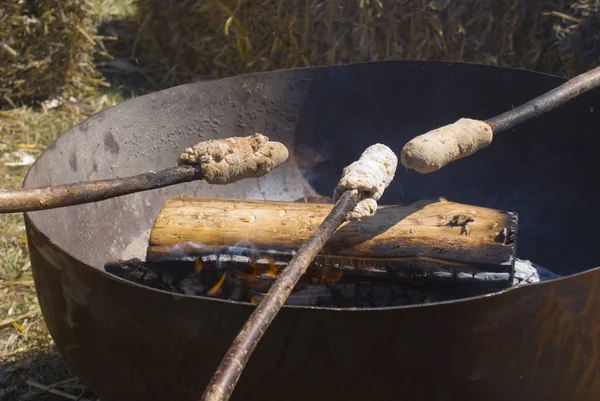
point(127, 342)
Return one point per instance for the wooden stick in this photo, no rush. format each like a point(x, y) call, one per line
point(229, 371)
point(51, 197)
point(356, 194)
point(216, 161)
point(548, 101)
point(437, 148)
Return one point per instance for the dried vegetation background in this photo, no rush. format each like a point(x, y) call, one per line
point(47, 49)
point(62, 60)
point(51, 54)
point(191, 39)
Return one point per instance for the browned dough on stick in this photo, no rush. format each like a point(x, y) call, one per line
point(218, 161)
point(227, 160)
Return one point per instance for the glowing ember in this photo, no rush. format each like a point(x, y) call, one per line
point(244, 274)
point(329, 275)
point(217, 287)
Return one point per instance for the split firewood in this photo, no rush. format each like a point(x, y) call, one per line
point(425, 236)
point(435, 149)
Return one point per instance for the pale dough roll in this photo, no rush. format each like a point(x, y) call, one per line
point(371, 174)
point(433, 150)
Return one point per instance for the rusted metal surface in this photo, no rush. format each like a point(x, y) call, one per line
point(129, 342)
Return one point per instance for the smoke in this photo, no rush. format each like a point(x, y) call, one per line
point(185, 251)
point(313, 165)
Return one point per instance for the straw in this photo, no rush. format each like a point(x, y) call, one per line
point(192, 39)
point(47, 49)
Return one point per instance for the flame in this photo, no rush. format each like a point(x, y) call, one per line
point(273, 270)
point(247, 276)
point(198, 265)
point(257, 270)
point(305, 157)
point(217, 287)
point(329, 275)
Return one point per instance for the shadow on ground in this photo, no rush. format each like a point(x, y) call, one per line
point(125, 72)
point(40, 376)
point(39, 373)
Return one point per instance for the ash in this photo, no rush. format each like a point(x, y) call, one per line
point(137, 248)
point(527, 272)
point(370, 293)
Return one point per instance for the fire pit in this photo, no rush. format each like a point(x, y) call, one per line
point(128, 341)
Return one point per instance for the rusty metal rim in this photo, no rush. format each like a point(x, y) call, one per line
point(57, 248)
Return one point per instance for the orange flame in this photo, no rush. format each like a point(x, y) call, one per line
point(273, 270)
point(198, 265)
point(329, 275)
point(247, 276)
point(257, 270)
point(217, 287)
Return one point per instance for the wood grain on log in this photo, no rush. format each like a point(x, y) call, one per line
point(427, 231)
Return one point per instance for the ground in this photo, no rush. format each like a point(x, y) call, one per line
point(30, 366)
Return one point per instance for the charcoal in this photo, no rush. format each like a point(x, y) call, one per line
point(345, 291)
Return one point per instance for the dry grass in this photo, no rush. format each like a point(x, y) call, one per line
point(30, 366)
point(27, 352)
point(578, 36)
point(107, 10)
point(47, 49)
point(193, 38)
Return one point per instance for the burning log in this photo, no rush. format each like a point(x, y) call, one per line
point(428, 251)
point(436, 240)
point(435, 149)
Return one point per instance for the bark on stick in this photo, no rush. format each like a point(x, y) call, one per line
point(217, 161)
point(435, 149)
point(229, 371)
